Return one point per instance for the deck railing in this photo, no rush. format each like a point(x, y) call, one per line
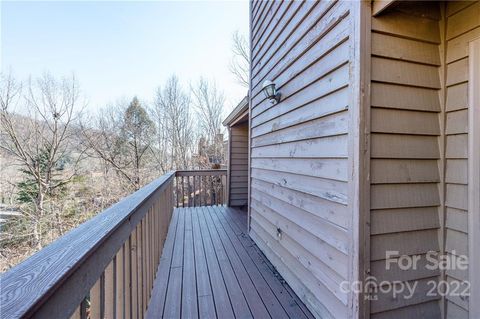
point(105, 268)
point(200, 188)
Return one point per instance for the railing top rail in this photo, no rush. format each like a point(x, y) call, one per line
point(26, 287)
point(202, 172)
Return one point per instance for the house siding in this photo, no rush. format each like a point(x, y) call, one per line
point(406, 111)
point(463, 25)
point(238, 165)
point(299, 175)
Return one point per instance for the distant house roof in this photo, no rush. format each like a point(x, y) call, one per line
point(238, 113)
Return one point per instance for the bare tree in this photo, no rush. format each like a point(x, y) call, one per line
point(121, 136)
point(41, 140)
point(176, 134)
point(240, 63)
point(209, 102)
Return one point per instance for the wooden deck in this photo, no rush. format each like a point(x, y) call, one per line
point(210, 268)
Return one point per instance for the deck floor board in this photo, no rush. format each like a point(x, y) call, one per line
point(210, 268)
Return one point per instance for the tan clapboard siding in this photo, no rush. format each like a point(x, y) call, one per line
point(322, 252)
point(325, 147)
point(388, 171)
point(238, 166)
point(404, 25)
point(404, 146)
point(456, 196)
point(404, 122)
point(404, 49)
point(457, 97)
point(327, 168)
point(298, 44)
point(405, 152)
point(456, 171)
point(409, 243)
point(404, 97)
point(386, 221)
point(457, 146)
point(419, 299)
point(328, 299)
point(463, 26)
point(463, 21)
point(286, 264)
point(459, 286)
point(330, 125)
point(427, 310)
point(457, 122)
point(330, 235)
point(457, 219)
point(380, 271)
point(456, 312)
point(407, 73)
point(321, 85)
point(404, 195)
point(457, 72)
point(323, 208)
point(300, 148)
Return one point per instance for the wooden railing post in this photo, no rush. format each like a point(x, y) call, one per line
point(200, 187)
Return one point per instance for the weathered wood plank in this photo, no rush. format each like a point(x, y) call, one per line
point(404, 122)
point(290, 302)
point(157, 301)
point(404, 146)
point(404, 97)
point(206, 305)
point(405, 73)
point(463, 21)
point(457, 72)
point(173, 300)
point(384, 221)
point(391, 171)
point(404, 25)
point(404, 49)
point(237, 297)
point(255, 303)
point(418, 242)
point(404, 195)
point(457, 96)
point(275, 309)
point(222, 300)
point(189, 287)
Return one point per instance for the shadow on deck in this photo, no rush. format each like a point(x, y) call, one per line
point(210, 268)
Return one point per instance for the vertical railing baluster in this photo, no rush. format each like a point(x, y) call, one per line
point(183, 191)
point(97, 299)
point(147, 261)
point(135, 271)
point(178, 191)
point(109, 291)
point(120, 283)
point(190, 199)
point(144, 268)
point(202, 191)
point(128, 278)
point(194, 191)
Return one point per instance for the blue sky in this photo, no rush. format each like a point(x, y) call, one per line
point(121, 49)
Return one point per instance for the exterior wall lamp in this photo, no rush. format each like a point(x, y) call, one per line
point(270, 91)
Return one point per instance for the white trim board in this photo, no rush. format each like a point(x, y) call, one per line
point(474, 178)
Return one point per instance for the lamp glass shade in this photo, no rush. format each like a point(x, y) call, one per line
point(269, 89)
